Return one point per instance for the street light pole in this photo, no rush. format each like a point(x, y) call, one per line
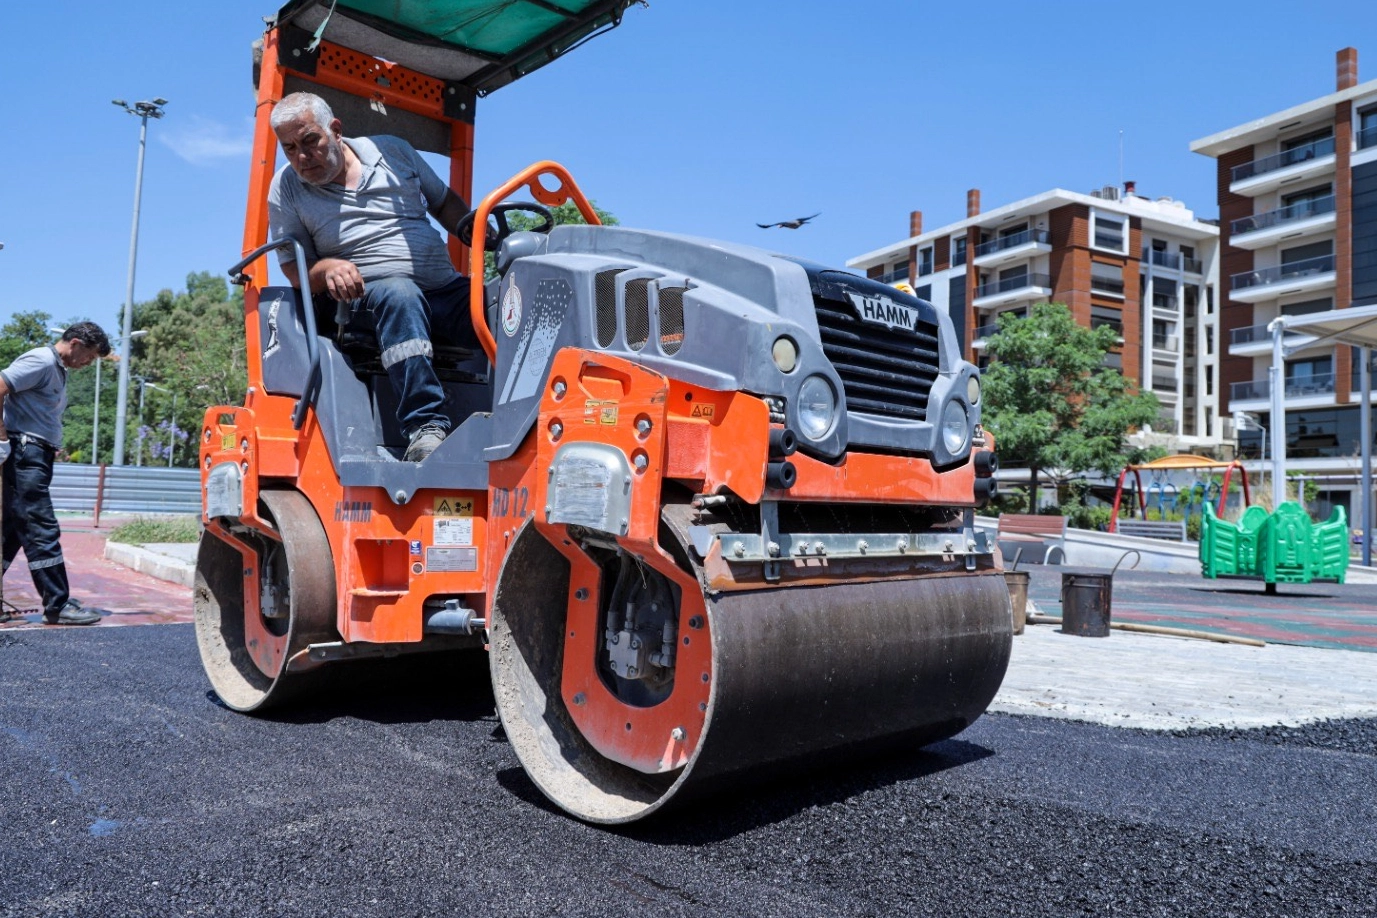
point(172, 429)
point(144, 110)
point(95, 414)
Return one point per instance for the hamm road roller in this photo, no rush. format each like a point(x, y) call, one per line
point(709, 508)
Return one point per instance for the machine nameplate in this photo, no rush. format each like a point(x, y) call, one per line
point(800, 546)
point(454, 531)
point(451, 559)
point(881, 310)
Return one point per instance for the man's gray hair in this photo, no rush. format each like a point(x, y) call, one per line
point(294, 106)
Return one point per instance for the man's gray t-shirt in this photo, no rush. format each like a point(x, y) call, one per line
point(37, 383)
point(381, 226)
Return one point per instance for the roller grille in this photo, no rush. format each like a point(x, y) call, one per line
point(671, 302)
point(605, 296)
point(637, 313)
point(884, 371)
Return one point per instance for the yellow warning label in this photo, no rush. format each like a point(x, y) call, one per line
point(227, 441)
point(453, 506)
point(702, 411)
point(597, 411)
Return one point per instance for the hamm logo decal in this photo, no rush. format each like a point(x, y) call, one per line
point(878, 310)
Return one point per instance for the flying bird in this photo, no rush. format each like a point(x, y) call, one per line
point(788, 224)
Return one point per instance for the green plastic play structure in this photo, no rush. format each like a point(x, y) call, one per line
point(1279, 547)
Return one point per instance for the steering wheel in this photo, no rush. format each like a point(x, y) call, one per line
point(498, 215)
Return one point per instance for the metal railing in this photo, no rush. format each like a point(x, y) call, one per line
point(1163, 259)
point(891, 277)
point(1009, 284)
point(1319, 384)
point(1301, 210)
point(1013, 241)
point(1192, 265)
point(1367, 138)
point(985, 331)
point(1163, 301)
point(1285, 158)
point(96, 489)
point(958, 258)
point(1165, 342)
point(1305, 267)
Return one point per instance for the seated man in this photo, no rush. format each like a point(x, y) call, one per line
point(358, 206)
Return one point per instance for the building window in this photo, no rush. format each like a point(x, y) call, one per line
point(1305, 308)
point(924, 292)
point(1105, 315)
point(1367, 127)
point(925, 261)
point(1106, 279)
point(1108, 231)
point(958, 251)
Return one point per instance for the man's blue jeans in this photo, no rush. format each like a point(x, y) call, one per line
point(30, 522)
point(403, 316)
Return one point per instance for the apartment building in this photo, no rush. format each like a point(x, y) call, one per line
point(1146, 267)
point(1298, 234)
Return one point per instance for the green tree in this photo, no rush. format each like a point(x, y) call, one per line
point(566, 213)
point(1051, 402)
point(23, 332)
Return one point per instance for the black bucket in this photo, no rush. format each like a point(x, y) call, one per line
point(1085, 600)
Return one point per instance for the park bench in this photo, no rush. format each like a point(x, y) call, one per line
point(1167, 530)
point(1032, 538)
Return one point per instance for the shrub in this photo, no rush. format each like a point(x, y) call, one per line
point(157, 529)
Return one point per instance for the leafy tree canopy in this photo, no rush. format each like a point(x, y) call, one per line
point(1051, 402)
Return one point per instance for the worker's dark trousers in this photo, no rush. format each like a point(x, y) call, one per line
point(30, 522)
point(403, 316)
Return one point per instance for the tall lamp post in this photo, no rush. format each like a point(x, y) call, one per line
point(144, 110)
point(95, 415)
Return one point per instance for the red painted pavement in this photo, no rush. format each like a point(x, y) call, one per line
point(129, 597)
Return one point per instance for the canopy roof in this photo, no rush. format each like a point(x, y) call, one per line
point(1184, 461)
point(483, 44)
point(1356, 326)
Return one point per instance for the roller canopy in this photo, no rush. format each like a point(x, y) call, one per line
point(483, 44)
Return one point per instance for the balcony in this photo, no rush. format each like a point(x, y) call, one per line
point(893, 277)
point(982, 333)
point(1311, 391)
point(1257, 339)
point(1304, 218)
point(1013, 290)
point(1165, 303)
point(1367, 138)
point(1013, 247)
point(1268, 283)
point(1271, 172)
point(1166, 343)
point(1192, 265)
point(1170, 260)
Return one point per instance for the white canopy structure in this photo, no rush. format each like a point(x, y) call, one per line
point(1356, 327)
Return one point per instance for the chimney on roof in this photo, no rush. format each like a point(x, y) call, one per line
point(1130, 188)
point(973, 202)
point(1347, 67)
point(915, 223)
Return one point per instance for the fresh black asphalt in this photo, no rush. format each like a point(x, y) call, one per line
point(125, 789)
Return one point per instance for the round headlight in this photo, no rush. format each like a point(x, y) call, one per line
point(955, 427)
point(817, 407)
point(785, 353)
point(973, 390)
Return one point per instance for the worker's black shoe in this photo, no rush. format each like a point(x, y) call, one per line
point(423, 442)
point(72, 614)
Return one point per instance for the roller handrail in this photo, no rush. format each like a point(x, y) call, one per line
point(566, 191)
point(238, 278)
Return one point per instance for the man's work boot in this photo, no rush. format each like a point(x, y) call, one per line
point(72, 614)
point(423, 442)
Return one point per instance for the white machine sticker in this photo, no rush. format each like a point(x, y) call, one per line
point(451, 559)
point(455, 530)
point(511, 310)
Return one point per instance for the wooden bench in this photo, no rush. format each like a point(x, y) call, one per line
point(1033, 538)
point(1167, 530)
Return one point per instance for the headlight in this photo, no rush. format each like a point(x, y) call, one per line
point(785, 353)
point(973, 390)
point(955, 427)
point(817, 407)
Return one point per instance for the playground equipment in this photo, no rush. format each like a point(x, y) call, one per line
point(1167, 495)
point(1279, 547)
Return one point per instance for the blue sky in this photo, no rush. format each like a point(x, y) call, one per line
point(696, 116)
